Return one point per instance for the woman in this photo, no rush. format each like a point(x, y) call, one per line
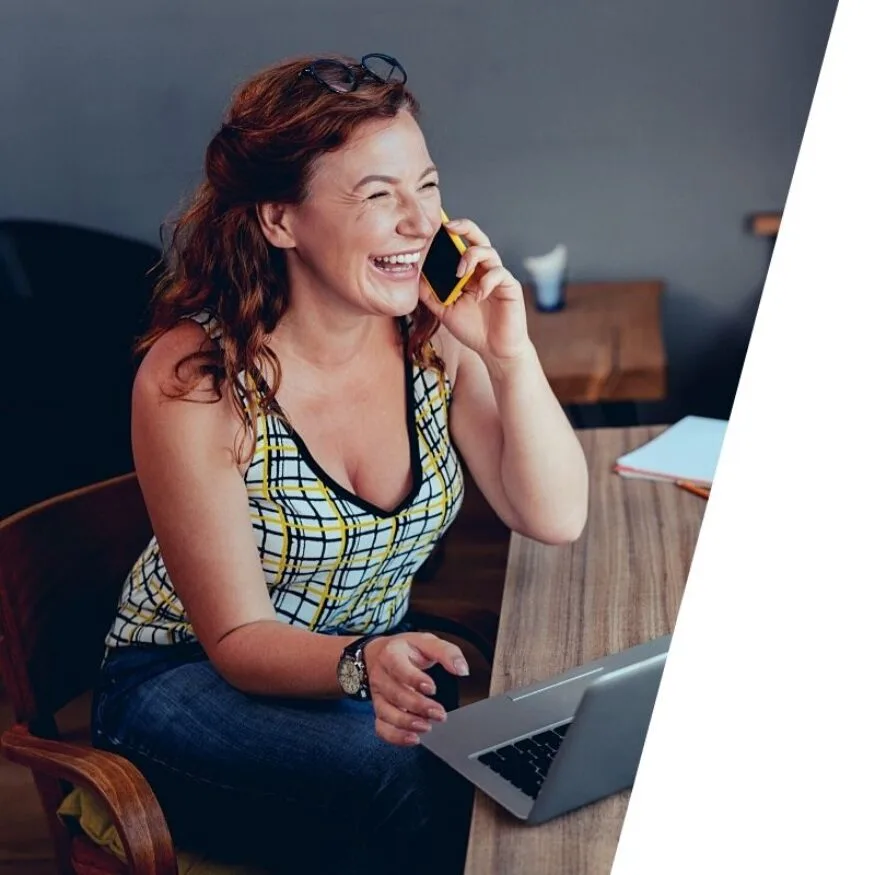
point(296, 421)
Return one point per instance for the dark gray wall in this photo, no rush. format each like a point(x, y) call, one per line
point(640, 134)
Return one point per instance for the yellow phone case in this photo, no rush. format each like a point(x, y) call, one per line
point(457, 289)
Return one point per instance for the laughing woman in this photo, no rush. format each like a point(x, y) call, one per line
point(297, 415)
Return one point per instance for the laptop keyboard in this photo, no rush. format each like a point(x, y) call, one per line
point(525, 762)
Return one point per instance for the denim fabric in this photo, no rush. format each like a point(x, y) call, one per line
point(300, 786)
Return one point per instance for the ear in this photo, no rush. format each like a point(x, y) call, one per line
point(276, 224)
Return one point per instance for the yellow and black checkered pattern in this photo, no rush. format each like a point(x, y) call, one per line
point(332, 562)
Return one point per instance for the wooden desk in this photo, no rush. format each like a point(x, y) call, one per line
point(605, 345)
point(619, 585)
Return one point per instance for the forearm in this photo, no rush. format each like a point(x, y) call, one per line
point(543, 468)
point(271, 658)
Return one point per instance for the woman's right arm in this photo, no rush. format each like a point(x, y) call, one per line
point(199, 509)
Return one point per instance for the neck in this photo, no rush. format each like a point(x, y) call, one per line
point(324, 333)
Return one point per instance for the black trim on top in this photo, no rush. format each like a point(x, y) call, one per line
point(412, 441)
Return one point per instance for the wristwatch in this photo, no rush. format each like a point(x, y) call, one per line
point(352, 674)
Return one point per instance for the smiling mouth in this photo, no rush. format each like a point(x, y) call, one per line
point(403, 264)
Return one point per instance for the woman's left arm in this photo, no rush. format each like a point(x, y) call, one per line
point(519, 446)
point(508, 425)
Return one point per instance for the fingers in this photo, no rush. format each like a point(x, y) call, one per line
point(402, 714)
point(491, 280)
point(404, 698)
point(484, 256)
point(394, 735)
point(399, 721)
point(448, 655)
point(400, 689)
point(396, 677)
point(466, 228)
point(404, 664)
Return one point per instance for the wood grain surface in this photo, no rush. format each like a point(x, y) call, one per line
point(605, 345)
point(619, 585)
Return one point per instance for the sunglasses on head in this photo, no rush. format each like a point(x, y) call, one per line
point(342, 78)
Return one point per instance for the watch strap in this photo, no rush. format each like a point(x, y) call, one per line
point(354, 650)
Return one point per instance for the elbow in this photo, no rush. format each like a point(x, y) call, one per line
point(230, 655)
point(567, 523)
point(559, 536)
point(562, 530)
point(223, 660)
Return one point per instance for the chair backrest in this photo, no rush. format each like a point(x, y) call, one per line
point(62, 566)
point(72, 302)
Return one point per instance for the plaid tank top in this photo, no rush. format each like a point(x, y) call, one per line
point(332, 562)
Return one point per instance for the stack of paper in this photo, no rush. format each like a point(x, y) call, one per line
point(687, 451)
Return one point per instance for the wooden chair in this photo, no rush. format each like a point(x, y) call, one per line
point(62, 563)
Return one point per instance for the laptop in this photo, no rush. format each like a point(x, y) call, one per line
point(547, 749)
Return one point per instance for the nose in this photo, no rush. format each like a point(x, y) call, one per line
point(416, 221)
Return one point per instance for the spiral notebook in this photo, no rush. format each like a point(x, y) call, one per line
point(686, 451)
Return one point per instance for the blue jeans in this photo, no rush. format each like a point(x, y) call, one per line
point(297, 786)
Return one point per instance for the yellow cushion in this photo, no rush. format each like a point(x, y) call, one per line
point(89, 811)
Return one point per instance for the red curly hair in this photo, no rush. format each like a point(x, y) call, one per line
point(217, 258)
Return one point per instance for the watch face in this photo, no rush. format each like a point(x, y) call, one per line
point(349, 677)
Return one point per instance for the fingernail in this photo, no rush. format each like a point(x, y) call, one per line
point(428, 689)
point(413, 739)
point(462, 667)
point(437, 715)
point(421, 726)
point(460, 270)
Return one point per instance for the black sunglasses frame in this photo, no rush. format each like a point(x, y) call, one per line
point(356, 74)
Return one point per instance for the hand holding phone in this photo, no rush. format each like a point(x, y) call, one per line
point(442, 262)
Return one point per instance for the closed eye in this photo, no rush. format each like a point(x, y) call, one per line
point(381, 194)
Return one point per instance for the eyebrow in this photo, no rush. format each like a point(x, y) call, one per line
point(391, 179)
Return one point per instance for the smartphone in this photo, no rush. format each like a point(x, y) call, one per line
point(442, 262)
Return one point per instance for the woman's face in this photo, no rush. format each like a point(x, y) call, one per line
point(372, 210)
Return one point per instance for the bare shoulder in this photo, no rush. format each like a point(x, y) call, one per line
point(158, 404)
point(158, 372)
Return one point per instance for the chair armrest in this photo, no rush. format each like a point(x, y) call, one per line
point(121, 786)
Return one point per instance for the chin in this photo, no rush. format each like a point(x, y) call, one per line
point(396, 302)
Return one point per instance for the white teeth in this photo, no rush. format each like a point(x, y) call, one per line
point(407, 258)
